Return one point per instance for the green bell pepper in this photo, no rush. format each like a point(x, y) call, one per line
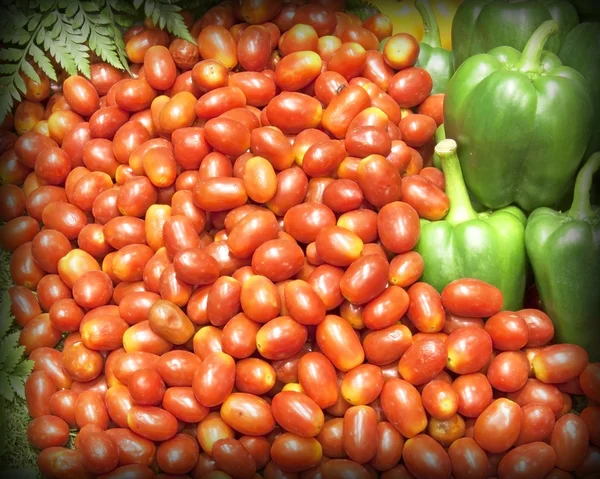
point(438, 61)
point(564, 249)
point(522, 122)
point(489, 246)
point(480, 25)
point(580, 51)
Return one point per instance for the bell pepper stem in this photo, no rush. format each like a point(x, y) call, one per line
point(581, 209)
point(531, 57)
point(430, 24)
point(461, 209)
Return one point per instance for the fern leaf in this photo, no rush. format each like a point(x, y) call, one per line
point(6, 390)
point(19, 36)
point(122, 6)
point(13, 358)
point(10, 54)
point(18, 385)
point(71, 9)
point(363, 8)
point(8, 343)
point(34, 22)
point(49, 19)
point(90, 7)
point(148, 7)
point(77, 20)
point(42, 61)
point(5, 314)
point(30, 72)
point(46, 5)
point(172, 19)
point(6, 101)
point(24, 368)
point(8, 68)
point(19, 82)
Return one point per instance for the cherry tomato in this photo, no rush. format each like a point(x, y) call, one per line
point(569, 439)
point(297, 413)
point(178, 455)
point(214, 379)
point(248, 414)
point(474, 394)
point(559, 363)
point(468, 460)
point(497, 428)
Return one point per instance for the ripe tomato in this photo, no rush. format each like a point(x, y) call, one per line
point(498, 427)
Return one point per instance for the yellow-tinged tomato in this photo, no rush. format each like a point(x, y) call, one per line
point(406, 19)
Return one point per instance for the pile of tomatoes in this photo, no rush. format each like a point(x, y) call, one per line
point(223, 240)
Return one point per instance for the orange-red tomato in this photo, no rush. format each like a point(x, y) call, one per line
point(425, 457)
point(248, 414)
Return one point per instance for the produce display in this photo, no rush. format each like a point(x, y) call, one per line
point(301, 240)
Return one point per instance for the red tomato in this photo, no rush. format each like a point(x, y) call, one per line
point(316, 374)
point(403, 407)
point(559, 363)
point(297, 413)
point(569, 440)
point(472, 298)
point(469, 350)
point(359, 437)
point(248, 414)
point(424, 457)
point(338, 341)
point(498, 427)
point(423, 361)
point(468, 459)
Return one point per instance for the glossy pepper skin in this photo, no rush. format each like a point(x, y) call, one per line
point(488, 246)
point(580, 51)
point(438, 61)
point(480, 25)
point(522, 122)
point(564, 250)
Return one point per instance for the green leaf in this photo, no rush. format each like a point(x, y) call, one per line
point(6, 390)
point(8, 344)
point(6, 318)
point(42, 61)
point(121, 6)
point(10, 54)
point(72, 8)
point(137, 4)
point(57, 28)
point(46, 5)
point(148, 8)
point(20, 83)
point(363, 8)
point(124, 21)
point(16, 94)
point(49, 20)
point(18, 385)
point(30, 72)
point(6, 100)
point(168, 15)
point(77, 20)
point(24, 368)
point(16, 35)
point(8, 68)
point(65, 3)
point(14, 357)
point(34, 22)
point(90, 7)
